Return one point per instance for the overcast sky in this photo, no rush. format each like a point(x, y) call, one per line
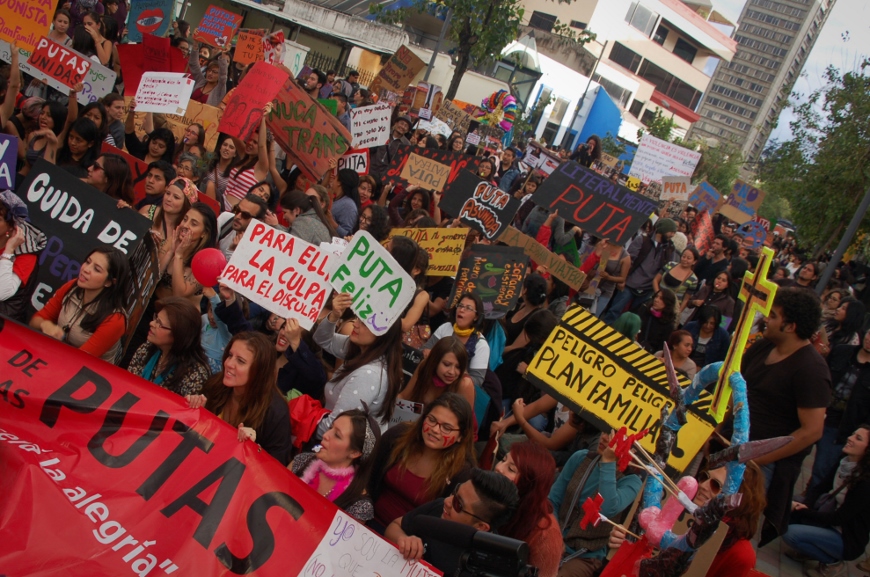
point(844, 41)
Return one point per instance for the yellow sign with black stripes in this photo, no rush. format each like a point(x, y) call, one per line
point(612, 382)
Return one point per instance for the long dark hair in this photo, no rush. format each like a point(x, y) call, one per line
point(110, 300)
point(118, 177)
point(478, 306)
point(209, 221)
point(670, 300)
point(348, 180)
point(186, 351)
point(855, 311)
point(166, 136)
point(536, 471)
point(410, 197)
point(380, 226)
point(216, 158)
point(449, 344)
point(862, 471)
point(58, 112)
point(362, 464)
point(104, 118)
point(83, 42)
point(298, 199)
point(89, 132)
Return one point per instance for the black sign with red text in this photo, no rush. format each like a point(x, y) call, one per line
point(479, 204)
point(457, 162)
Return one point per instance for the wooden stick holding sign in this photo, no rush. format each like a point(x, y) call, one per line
point(757, 293)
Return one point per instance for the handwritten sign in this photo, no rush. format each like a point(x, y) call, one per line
point(280, 272)
point(165, 92)
point(480, 205)
point(149, 17)
point(398, 72)
point(435, 126)
point(203, 114)
point(457, 162)
point(454, 117)
point(558, 267)
point(25, 23)
point(676, 188)
point(656, 158)
point(370, 125)
point(743, 202)
point(8, 159)
point(60, 63)
point(244, 110)
point(495, 274)
point(249, 47)
point(381, 289)
point(444, 246)
point(594, 203)
point(608, 160)
point(306, 131)
point(425, 173)
point(158, 55)
point(217, 27)
point(356, 160)
point(539, 158)
point(705, 198)
point(612, 382)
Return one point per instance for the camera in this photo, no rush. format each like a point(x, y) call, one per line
point(492, 555)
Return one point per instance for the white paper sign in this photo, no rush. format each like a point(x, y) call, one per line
point(355, 160)
point(164, 92)
point(370, 125)
point(676, 188)
point(406, 412)
point(335, 247)
point(282, 273)
point(350, 549)
point(98, 82)
point(656, 158)
point(472, 138)
point(435, 126)
point(381, 289)
point(425, 113)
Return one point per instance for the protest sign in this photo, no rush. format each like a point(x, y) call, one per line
point(138, 170)
point(537, 157)
point(24, 23)
point(743, 202)
point(444, 246)
point(280, 272)
point(406, 411)
point(472, 138)
point(633, 183)
point(158, 55)
point(558, 267)
point(457, 162)
point(370, 125)
point(435, 126)
point(425, 173)
point(397, 73)
point(249, 47)
point(203, 114)
point(762, 221)
point(754, 234)
point(656, 158)
point(702, 231)
point(608, 160)
point(479, 204)
point(59, 63)
point(217, 27)
point(610, 381)
point(705, 198)
point(381, 289)
point(306, 131)
point(77, 217)
point(165, 92)
point(427, 100)
point(676, 188)
point(293, 57)
point(356, 160)
point(411, 358)
point(8, 160)
point(454, 117)
point(495, 274)
point(244, 110)
point(594, 203)
point(149, 17)
point(116, 461)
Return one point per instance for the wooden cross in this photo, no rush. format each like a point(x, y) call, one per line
point(757, 294)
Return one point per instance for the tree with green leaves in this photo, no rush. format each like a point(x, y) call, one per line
point(479, 29)
point(719, 165)
point(612, 145)
point(660, 126)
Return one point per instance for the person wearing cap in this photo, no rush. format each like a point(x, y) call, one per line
point(382, 155)
point(649, 253)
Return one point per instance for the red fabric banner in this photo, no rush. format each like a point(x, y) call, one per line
point(107, 474)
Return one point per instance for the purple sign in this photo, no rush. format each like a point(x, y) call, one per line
point(8, 158)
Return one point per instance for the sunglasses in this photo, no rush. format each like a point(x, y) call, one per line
point(97, 166)
point(244, 213)
point(715, 484)
point(457, 504)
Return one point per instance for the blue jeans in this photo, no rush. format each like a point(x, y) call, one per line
point(621, 300)
point(828, 455)
point(767, 471)
point(601, 304)
point(825, 545)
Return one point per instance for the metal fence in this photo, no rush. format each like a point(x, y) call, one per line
point(323, 63)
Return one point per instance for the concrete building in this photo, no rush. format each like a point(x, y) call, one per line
point(747, 94)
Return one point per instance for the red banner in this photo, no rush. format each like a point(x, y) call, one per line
point(107, 474)
point(217, 27)
point(59, 62)
point(244, 109)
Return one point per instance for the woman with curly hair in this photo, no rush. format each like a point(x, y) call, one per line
point(375, 220)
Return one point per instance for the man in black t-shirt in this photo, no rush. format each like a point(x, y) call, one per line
point(788, 387)
point(484, 503)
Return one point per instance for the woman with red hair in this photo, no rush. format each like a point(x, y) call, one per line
point(532, 469)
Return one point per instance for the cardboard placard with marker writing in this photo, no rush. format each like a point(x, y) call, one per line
point(444, 246)
point(558, 267)
point(480, 205)
point(397, 73)
point(495, 274)
point(456, 161)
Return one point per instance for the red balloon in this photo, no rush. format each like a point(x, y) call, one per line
point(207, 266)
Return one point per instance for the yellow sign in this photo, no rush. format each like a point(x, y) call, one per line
point(633, 183)
point(612, 382)
point(608, 160)
point(444, 245)
point(207, 116)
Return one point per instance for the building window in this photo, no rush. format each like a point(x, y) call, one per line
point(617, 92)
point(625, 57)
point(669, 85)
point(641, 18)
point(542, 21)
point(661, 35)
point(685, 51)
point(635, 108)
point(648, 117)
point(578, 25)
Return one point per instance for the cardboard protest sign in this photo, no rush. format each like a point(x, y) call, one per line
point(306, 131)
point(165, 92)
point(705, 198)
point(370, 125)
point(479, 204)
point(425, 173)
point(8, 160)
point(754, 234)
point(537, 157)
point(281, 273)
point(249, 47)
point(77, 217)
point(454, 117)
point(138, 169)
point(444, 246)
point(656, 158)
point(558, 267)
point(59, 63)
point(427, 100)
point(594, 203)
point(381, 289)
point(406, 411)
point(198, 500)
point(217, 27)
point(398, 72)
point(457, 162)
point(743, 202)
point(676, 188)
point(149, 17)
point(356, 160)
point(495, 274)
point(25, 23)
point(608, 160)
point(203, 114)
point(610, 381)
point(244, 110)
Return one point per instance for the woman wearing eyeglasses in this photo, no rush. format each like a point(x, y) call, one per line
point(415, 463)
point(467, 318)
point(88, 311)
point(172, 357)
